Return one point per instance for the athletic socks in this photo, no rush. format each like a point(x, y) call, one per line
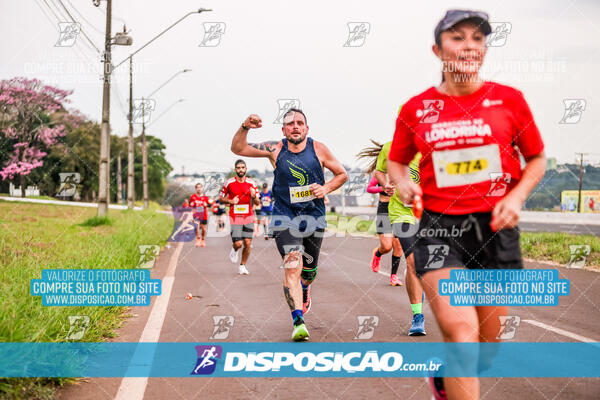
point(297, 317)
point(417, 308)
point(378, 254)
point(395, 264)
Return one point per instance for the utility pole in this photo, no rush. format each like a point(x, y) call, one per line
point(119, 183)
point(104, 173)
point(579, 202)
point(144, 157)
point(130, 176)
point(130, 183)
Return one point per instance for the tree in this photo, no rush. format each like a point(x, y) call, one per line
point(158, 168)
point(31, 123)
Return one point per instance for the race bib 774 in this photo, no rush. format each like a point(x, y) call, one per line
point(466, 166)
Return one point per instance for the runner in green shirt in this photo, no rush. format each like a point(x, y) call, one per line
point(404, 226)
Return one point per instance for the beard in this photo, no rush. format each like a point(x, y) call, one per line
point(240, 174)
point(296, 141)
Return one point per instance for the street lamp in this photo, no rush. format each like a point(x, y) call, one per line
point(144, 145)
point(121, 39)
point(104, 186)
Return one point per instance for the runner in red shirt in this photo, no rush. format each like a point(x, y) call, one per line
point(470, 134)
point(199, 202)
point(240, 193)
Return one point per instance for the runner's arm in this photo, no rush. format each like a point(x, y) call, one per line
point(331, 163)
point(223, 195)
point(507, 211)
point(241, 147)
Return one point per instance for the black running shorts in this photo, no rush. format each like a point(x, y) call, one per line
point(465, 241)
point(310, 245)
point(382, 220)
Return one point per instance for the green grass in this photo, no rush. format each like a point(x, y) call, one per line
point(350, 224)
point(96, 221)
point(543, 246)
point(34, 237)
point(554, 246)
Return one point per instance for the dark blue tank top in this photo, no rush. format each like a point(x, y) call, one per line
point(292, 172)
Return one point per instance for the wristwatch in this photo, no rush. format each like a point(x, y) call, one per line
point(244, 127)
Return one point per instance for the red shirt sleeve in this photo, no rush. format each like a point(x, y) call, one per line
point(527, 135)
point(224, 191)
point(403, 148)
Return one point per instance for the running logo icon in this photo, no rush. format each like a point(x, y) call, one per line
point(579, 253)
point(184, 229)
point(148, 254)
point(213, 183)
point(207, 359)
point(357, 184)
point(284, 106)
point(213, 31)
point(431, 111)
point(68, 184)
point(437, 255)
point(222, 326)
point(68, 33)
point(499, 35)
point(142, 109)
point(77, 326)
point(573, 110)
point(498, 183)
point(366, 326)
point(357, 33)
point(289, 248)
point(508, 326)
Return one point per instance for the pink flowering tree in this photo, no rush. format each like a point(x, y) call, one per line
point(32, 120)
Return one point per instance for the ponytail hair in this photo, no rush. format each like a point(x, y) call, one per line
point(371, 152)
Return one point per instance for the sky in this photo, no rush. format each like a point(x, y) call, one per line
point(274, 50)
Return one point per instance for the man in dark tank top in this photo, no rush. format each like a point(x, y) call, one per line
point(299, 187)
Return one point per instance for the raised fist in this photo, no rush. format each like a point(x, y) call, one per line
point(253, 121)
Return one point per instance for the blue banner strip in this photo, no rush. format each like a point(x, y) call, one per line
point(224, 359)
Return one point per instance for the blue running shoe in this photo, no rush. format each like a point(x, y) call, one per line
point(418, 326)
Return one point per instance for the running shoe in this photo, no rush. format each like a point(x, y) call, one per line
point(300, 333)
point(203, 243)
point(306, 303)
point(436, 383)
point(375, 261)
point(198, 242)
point(233, 255)
point(394, 281)
point(242, 270)
point(417, 327)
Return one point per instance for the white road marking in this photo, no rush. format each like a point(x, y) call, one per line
point(560, 331)
point(134, 388)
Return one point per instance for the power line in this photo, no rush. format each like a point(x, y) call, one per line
point(52, 11)
point(46, 15)
point(85, 19)
point(81, 27)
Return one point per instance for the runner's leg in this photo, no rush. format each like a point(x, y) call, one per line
point(458, 324)
point(246, 251)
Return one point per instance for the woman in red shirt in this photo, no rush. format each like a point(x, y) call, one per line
point(471, 134)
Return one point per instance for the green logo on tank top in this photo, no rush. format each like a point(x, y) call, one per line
point(298, 173)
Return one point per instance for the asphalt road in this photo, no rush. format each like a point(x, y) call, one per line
point(344, 289)
point(579, 229)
